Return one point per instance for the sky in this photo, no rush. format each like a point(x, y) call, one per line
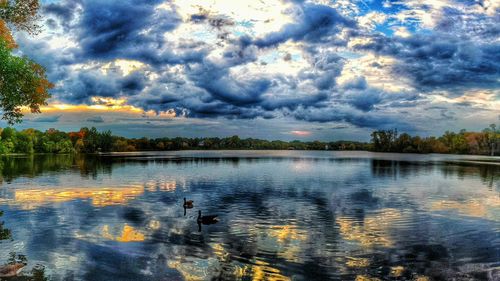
point(290, 69)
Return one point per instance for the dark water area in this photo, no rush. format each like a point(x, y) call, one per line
point(282, 215)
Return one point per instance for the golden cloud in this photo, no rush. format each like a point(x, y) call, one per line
point(100, 196)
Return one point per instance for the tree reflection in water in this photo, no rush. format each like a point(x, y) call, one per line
point(281, 219)
point(5, 233)
point(37, 273)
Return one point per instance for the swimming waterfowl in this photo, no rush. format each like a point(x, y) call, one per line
point(211, 219)
point(11, 270)
point(188, 203)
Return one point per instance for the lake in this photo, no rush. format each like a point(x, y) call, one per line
point(283, 215)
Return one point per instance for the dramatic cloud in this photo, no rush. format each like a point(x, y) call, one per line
point(350, 64)
point(96, 119)
point(439, 61)
point(47, 119)
point(314, 24)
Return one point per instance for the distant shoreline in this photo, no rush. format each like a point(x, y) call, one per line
point(118, 153)
point(92, 141)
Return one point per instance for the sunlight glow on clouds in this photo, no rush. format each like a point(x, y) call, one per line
point(125, 66)
point(301, 133)
point(320, 63)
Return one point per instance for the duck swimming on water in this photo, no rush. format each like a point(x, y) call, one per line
point(211, 219)
point(188, 203)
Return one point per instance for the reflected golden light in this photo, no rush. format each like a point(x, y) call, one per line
point(357, 262)
point(154, 225)
point(397, 271)
point(192, 271)
point(263, 271)
point(128, 234)
point(290, 240)
point(366, 278)
point(100, 196)
point(160, 185)
point(481, 208)
point(373, 231)
point(259, 271)
point(287, 232)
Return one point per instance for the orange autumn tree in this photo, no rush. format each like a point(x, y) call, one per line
point(23, 83)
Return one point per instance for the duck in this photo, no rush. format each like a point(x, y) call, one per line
point(188, 203)
point(206, 219)
point(11, 270)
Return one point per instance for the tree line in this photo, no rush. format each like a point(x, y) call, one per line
point(486, 142)
point(91, 140)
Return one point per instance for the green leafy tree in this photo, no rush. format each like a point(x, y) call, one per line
point(22, 82)
point(64, 147)
point(8, 133)
point(384, 140)
point(24, 143)
point(105, 141)
point(22, 14)
point(492, 138)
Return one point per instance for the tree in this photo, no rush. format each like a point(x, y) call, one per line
point(106, 141)
point(64, 147)
point(384, 140)
point(492, 138)
point(8, 133)
point(6, 35)
point(24, 143)
point(23, 83)
point(404, 143)
point(120, 145)
point(22, 14)
point(79, 146)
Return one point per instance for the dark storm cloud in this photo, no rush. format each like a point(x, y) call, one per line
point(55, 62)
point(372, 98)
point(107, 30)
point(236, 92)
point(440, 61)
point(477, 26)
point(292, 103)
point(359, 119)
point(65, 11)
point(364, 100)
point(359, 95)
point(47, 119)
point(86, 84)
point(327, 67)
point(95, 119)
point(315, 23)
point(122, 29)
point(217, 80)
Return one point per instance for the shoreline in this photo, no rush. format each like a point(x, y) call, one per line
point(111, 153)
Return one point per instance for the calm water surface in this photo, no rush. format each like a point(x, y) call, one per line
point(283, 215)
